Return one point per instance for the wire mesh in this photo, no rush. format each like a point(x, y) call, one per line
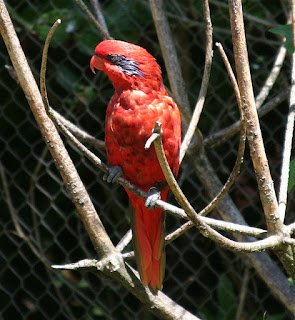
point(39, 224)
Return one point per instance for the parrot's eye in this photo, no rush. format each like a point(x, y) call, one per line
point(114, 58)
point(129, 67)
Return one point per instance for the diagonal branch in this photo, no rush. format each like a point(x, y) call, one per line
point(99, 24)
point(99, 15)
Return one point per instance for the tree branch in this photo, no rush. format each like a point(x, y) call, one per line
point(99, 15)
point(254, 136)
point(100, 26)
point(288, 134)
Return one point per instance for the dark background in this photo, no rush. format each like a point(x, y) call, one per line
point(200, 276)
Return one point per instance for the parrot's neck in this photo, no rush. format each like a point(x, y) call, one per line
point(144, 85)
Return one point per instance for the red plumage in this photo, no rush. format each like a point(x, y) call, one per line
point(140, 100)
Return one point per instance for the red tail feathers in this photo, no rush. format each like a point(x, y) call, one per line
point(148, 227)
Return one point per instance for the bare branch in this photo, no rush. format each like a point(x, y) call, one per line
point(124, 241)
point(80, 134)
point(288, 134)
point(218, 225)
point(272, 77)
point(100, 27)
point(99, 15)
point(19, 231)
point(204, 86)
point(254, 136)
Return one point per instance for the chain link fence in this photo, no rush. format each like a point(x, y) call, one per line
point(39, 225)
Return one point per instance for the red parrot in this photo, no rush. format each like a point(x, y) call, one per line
point(140, 100)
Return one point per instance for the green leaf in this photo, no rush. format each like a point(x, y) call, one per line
point(291, 180)
point(285, 31)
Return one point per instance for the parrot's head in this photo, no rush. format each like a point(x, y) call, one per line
point(126, 65)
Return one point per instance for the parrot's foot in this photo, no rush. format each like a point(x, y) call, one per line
point(153, 196)
point(113, 174)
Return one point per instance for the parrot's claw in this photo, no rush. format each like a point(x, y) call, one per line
point(113, 174)
point(153, 196)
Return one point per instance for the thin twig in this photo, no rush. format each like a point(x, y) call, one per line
point(14, 218)
point(44, 64)
point(80, 134)
point(272, 77)
point(288, 134)
point(124, 241)
point(218, 225)
point(99, 15)
point(98, 163)
point(64, 164)
point(98, 25)
point(32, 188)
point(204, 85)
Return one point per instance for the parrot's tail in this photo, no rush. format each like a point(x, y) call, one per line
point(148, 227)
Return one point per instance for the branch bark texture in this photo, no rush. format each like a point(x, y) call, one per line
point(254, 136)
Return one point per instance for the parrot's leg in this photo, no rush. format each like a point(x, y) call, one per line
point(153, 196)
point(113, 174)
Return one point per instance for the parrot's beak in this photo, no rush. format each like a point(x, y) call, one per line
point(95, 63)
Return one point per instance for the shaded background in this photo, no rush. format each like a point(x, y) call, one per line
point(200, 276)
